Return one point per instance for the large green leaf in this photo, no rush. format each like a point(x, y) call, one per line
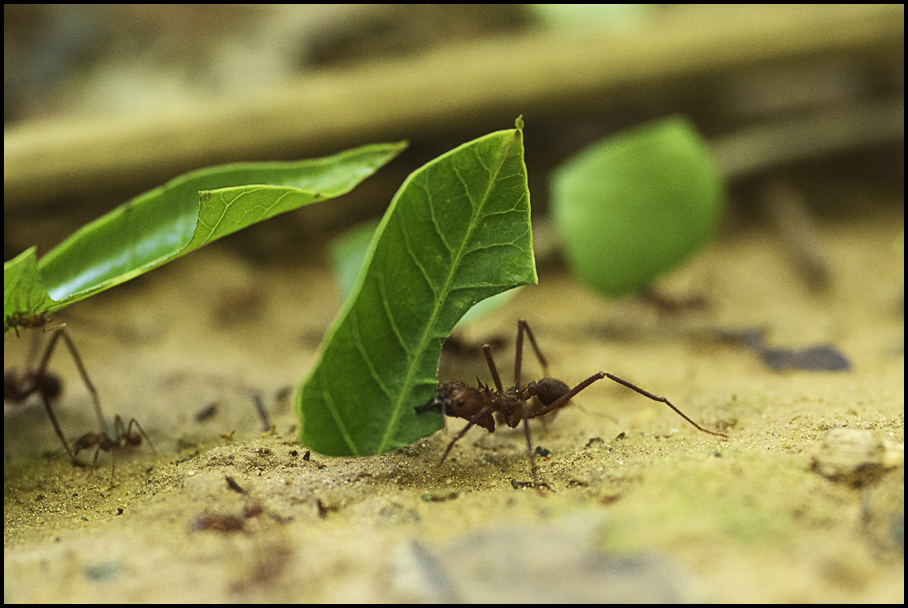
point(637, 204)
point(349, 250)
point(179, 217)
point(457, 231)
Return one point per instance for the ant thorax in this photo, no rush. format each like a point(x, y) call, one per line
point(458, 400)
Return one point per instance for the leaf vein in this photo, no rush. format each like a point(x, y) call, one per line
point(389, 313)
point(368, 360)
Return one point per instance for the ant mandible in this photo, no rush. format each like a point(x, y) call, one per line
point(538, 398)
point(124, 437)
point(18, 387)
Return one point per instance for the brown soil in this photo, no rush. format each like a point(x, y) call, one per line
point(642, 507)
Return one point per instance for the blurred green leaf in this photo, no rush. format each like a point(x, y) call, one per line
point(348, 252)
point(168, 222)
point(637, 204)
point(457, 232)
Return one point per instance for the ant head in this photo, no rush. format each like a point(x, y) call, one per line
point(451, 398)
point(26, 319)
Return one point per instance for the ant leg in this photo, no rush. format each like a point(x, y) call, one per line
point(53, 420)
point(523, 326)
point(661, 400)
point(45, 398)
point(33, 350)
point(526, 430)
point(487, 349)
point(42, 368)
point(113, 466)
point(518, 353)
point(458, 436)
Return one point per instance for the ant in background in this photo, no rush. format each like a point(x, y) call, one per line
point(483, 405)
point(18, 387)
point(124, 437)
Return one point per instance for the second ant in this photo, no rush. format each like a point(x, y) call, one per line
point(19, 386)
point(484, 406)
point(124, 437)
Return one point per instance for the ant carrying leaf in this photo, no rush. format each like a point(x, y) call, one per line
point(19, 386)
point(456, 233)
point(484, 406)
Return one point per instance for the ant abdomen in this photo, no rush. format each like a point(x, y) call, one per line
point(49, 384)
point(549, 390)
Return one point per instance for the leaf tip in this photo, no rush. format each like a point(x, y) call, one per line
point(518, 123)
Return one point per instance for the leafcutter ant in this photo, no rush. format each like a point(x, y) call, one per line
point(18, 387)
point(124, 437)
point(483, 406)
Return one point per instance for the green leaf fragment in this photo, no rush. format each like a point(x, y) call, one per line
point(457, 232)
point(637, 204)
point(184, 214)
point(23, 290)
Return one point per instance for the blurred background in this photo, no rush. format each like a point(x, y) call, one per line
point(102, 102)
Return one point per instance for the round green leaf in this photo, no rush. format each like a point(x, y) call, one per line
point(637, 204)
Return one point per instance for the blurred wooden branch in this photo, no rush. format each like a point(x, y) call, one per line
point(486, 84)
point(773, 144)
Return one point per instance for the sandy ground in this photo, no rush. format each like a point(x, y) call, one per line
point(641, 506)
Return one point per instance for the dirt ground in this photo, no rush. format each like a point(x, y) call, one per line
point(640, 505)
